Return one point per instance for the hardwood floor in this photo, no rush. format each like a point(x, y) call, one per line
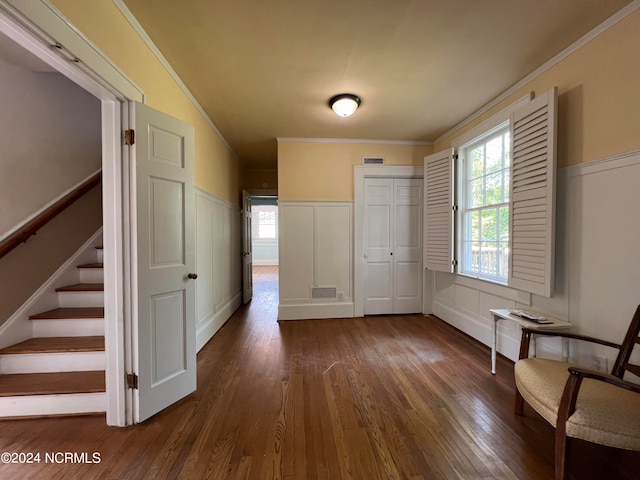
point(385, 397)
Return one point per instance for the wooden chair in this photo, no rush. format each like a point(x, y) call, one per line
point(581, 403)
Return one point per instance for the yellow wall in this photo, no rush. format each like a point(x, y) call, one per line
point(598, 98)
point(260, 179)
point(217, 171)
point(323, 171)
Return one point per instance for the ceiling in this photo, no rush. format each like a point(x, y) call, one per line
point(265, 69)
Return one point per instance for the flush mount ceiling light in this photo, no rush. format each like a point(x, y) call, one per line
point(344, 104)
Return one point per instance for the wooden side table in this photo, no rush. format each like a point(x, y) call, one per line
point(505, 314)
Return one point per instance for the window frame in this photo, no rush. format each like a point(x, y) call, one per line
point(256, 211)
point(533, 124)
point(463, 168)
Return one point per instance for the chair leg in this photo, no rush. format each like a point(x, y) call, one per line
point(519, 404)
point(562, 451)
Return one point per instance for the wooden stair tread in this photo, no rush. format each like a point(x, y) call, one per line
point(82, 287)
point(51, 383)
point(56, 345)
point(92, 265)
point(63, 313)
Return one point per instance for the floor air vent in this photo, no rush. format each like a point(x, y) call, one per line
point(373, 160)
point(324, 292)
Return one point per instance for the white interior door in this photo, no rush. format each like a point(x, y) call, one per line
point(164, 333)
point(393, 246)
point(247, 253)
point(407, 250)
point(378, 246)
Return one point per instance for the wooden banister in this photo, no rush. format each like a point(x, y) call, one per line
point(30, 228)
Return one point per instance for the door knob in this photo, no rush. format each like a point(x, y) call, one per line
point(192, 276)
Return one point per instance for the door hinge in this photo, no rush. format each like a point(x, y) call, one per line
point(129, 137)
point(454, 263)
point(454, 208)
point(454, 156)
point(132, 381)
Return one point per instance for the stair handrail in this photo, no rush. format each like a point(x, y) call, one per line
point(29, 229)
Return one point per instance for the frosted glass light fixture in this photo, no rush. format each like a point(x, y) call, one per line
point(344, 104)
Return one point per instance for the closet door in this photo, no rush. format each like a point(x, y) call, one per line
point(407, 250)
point(378, 246)
point(393, 246)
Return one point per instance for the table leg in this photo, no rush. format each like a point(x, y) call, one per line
point(533, 346)
point(565, 349)
point(494, 343)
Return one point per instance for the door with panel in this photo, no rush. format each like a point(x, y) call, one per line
point(247, 253)
point(163, 260)
point(393, 245)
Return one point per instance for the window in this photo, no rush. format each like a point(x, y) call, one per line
point(498, 222)
point(265, 222)
point(485, 166)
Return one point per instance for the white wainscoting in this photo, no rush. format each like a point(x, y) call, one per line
point(218, 287)
point(597, 274)
point(315, 251)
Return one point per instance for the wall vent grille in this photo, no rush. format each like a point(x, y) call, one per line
point(373, 160)
point(327, 293)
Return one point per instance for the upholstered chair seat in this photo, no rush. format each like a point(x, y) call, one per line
point(604, 414)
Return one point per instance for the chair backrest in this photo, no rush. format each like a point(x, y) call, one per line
point(631, 339)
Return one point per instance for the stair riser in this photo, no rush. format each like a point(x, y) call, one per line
point(80, 299)
point(52, 362)
point(91, 275)
point(67, 404)
point(68, 327)
point(100, 255)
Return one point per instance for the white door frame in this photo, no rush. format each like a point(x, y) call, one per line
point(360, 173)
point(37, 26)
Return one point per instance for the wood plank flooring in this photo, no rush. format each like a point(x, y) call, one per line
point(56, 345)
point(389, 397)
point(51, 383)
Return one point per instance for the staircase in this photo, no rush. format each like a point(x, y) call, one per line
point(61, 370)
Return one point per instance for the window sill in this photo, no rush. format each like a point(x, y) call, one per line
point(493, 288)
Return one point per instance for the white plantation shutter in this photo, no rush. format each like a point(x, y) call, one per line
point(532, 196)
point(438, 215)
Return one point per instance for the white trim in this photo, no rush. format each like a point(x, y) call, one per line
point(582, 41)
point(20, 225)
point(298, 311)
point(75, 403)
point(491, 123)
point(115, 281)
point(208, 327)
point(52, 362)
point(498, 290)
point(360, 173)
point(42, 25)
point(353, 140)
point(18, 328)
point(609, 163)
point(265, 263)
point(126, 13)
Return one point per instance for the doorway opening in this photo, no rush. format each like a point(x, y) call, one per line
point(265, 246)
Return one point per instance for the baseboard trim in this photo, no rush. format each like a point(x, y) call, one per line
point(210, 325)
point(507, 346)
point(315, 311)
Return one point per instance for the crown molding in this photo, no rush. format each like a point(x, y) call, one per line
point(353, 140)
point(161, 58)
